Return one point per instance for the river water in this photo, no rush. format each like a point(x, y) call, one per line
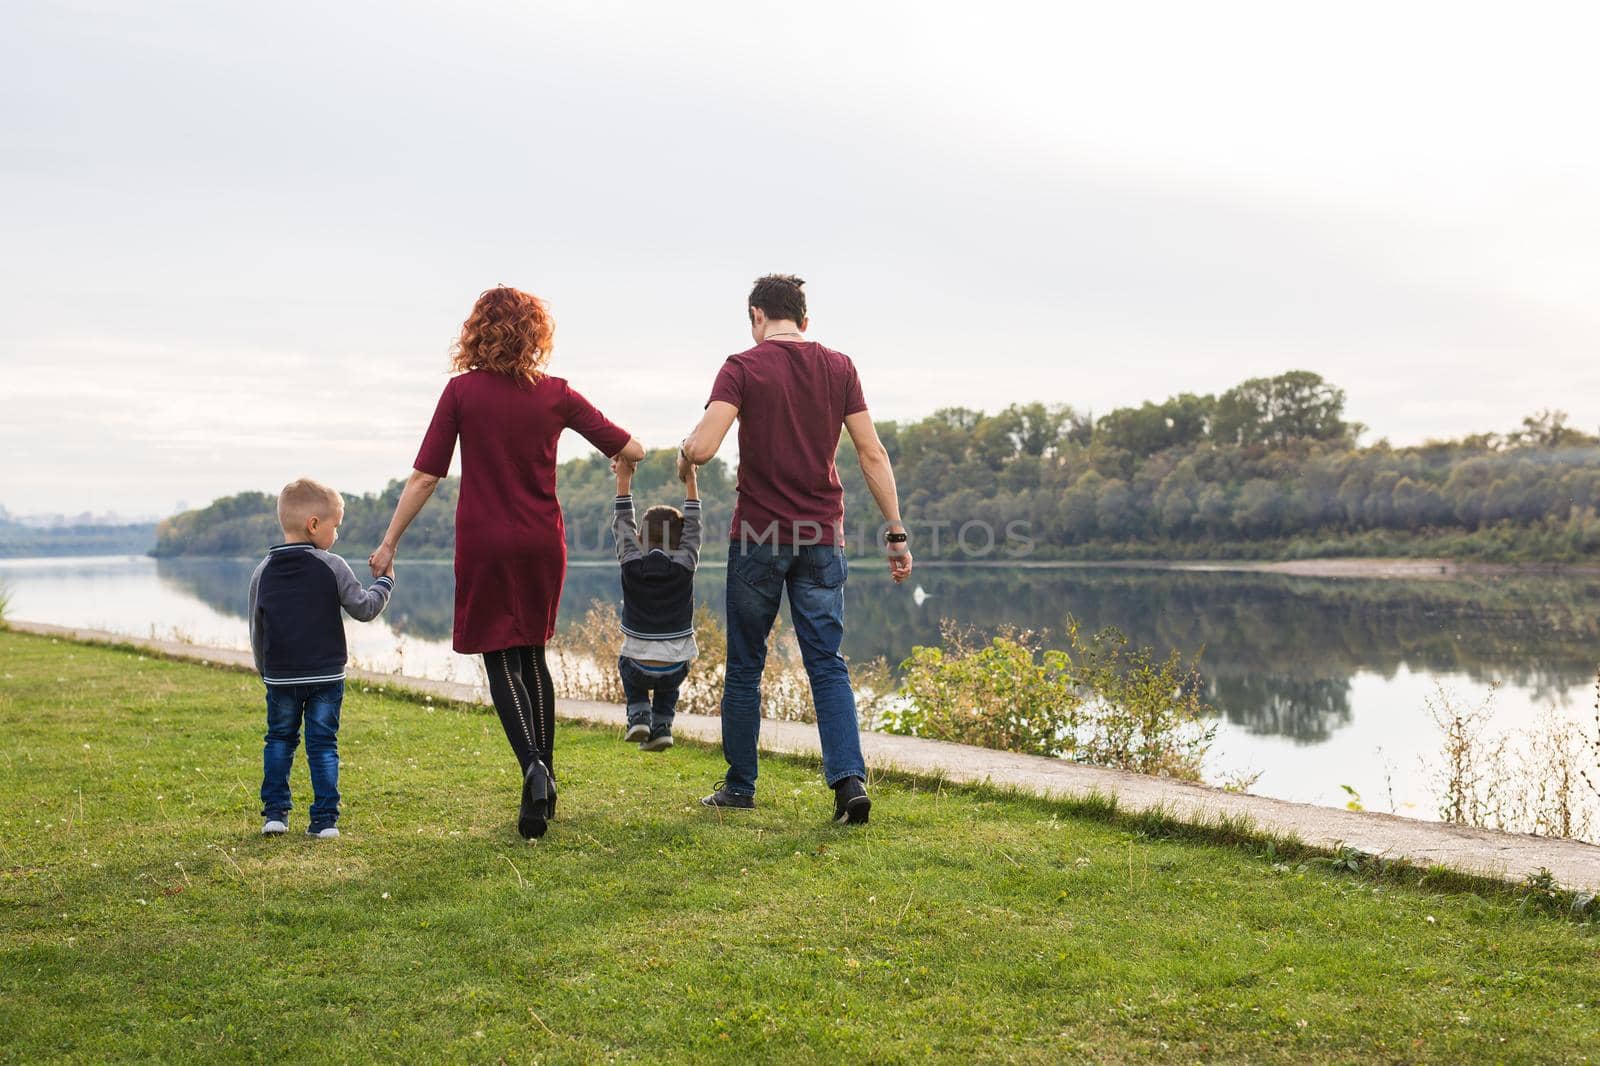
point(1318, 683)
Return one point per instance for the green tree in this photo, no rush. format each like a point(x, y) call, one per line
point(1259, 508)
point(1298, 405)
point(1078, 508)
point(1114, 514)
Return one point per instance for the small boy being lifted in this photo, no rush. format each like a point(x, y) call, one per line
point(658, 565)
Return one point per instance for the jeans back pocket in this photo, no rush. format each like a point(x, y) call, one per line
point(828, 566)
point(758, 568)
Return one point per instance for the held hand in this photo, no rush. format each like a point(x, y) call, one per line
point(685, 468)
point(623, 468)
point(382, 561)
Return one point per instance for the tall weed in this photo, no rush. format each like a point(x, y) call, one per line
point(1474, 768)
point(1591, 745)
point(1530, 780)
point(584, 662)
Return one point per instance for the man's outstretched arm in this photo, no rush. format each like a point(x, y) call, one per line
point(875, 466)
point(701, 445)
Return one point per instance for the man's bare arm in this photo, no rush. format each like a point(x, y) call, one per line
point(879, 472)
point(702, 443)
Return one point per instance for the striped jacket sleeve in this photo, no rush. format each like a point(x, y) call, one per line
point(626, 530)
point(688, 551)
point(364, 604)
point(258, 632)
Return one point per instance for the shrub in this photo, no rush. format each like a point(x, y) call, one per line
point(1006, 694)
point(1096, 702)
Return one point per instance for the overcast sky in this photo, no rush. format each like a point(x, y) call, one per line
point(238, 241)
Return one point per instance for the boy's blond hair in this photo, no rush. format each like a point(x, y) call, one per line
point(304, 498)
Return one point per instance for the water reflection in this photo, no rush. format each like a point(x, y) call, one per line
point(1278, 653)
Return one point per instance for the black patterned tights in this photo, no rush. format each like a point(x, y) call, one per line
point(525, 698)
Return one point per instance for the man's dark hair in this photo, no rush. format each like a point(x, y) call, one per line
point(779, 296)
point(662, 528)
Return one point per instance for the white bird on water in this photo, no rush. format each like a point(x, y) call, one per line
point(919, 596)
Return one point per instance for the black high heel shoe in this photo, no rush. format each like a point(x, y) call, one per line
point(538, 801)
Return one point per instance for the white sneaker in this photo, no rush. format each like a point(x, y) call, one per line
point(330, 833)
point(274, 827)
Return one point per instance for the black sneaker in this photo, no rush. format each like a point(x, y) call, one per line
point(637, 733)
point(732, 800)
point(851, 804)
point(660, 739)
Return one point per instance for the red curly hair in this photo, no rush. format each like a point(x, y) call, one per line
point(509, 331)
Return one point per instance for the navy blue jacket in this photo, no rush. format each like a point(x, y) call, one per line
point(657, 585)
point(296, 631)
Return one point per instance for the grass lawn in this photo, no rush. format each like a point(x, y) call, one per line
point(141, 916)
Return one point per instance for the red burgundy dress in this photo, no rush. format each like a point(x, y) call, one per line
point(511, 546)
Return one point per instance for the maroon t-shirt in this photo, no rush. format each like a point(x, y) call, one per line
point(792, 397)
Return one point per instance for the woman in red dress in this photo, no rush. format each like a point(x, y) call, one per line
point(511, 549)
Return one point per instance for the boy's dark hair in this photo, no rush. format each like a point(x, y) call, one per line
point(662, 528)
point(779, 296)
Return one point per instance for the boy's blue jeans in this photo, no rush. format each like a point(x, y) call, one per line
point(317, 706)
point(652, 697)
point(815, 575)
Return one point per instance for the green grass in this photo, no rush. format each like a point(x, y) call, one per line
point(141, 916)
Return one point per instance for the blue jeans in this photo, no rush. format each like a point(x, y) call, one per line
point(637, 686)
point(318, 707)
point(814, 574)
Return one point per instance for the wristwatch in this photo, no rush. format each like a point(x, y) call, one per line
point(891, 537)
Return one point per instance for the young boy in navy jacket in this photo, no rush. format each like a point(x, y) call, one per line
point(658, 566)
point(297, 635)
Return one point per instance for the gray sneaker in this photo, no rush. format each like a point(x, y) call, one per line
point(638, 732)
point(327, 833)
point(274, 826)
point(660, 739)
point(722, 798)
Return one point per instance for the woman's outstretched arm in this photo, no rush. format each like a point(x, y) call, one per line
point(419, 487)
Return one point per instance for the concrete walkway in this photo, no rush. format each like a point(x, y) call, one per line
point(1507, 856)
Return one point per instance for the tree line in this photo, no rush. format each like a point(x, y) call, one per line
point(1268, 469)
point(19, 541)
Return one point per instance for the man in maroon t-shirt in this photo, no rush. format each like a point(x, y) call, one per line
point(791, 396)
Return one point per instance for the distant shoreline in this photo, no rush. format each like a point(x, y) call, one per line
point(1371, 568)
point(1375, 568)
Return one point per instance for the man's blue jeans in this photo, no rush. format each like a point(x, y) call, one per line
point(287, 707)
point(814, 574)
